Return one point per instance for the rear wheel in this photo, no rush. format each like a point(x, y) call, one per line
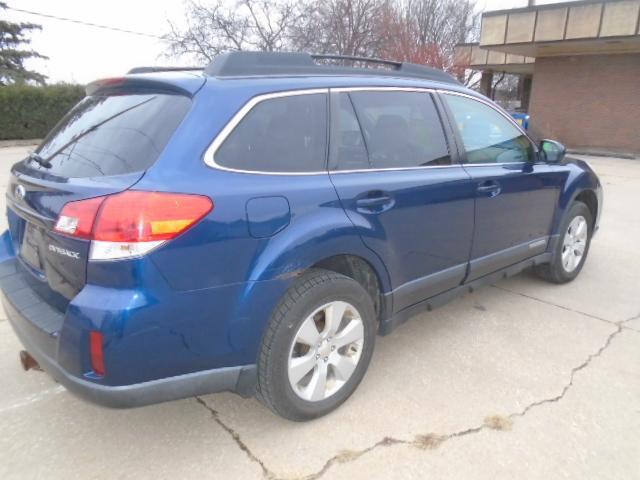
point(573, 246)
point(317, 346)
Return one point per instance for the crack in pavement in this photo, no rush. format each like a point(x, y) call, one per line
point(387, 441)
point(236, 438)
point(568, 309)
point(574, 370)
point(589, 315)
point(429, 441)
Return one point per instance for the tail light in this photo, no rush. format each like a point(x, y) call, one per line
point(131, 223)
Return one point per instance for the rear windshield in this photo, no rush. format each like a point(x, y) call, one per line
point(112, 135)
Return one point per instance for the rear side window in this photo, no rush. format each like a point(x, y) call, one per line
point(111, 135)
point(488, 136)
point(285, 134)
point(401, 129)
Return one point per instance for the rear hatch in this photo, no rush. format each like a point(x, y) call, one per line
point(103, 146)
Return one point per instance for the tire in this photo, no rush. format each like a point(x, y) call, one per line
point(324, 294)
point(557, 270)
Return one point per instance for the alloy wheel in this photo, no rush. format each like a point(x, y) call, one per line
point(325, 351)
point(574, 243)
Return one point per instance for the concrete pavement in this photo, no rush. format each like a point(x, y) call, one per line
point(520, 380)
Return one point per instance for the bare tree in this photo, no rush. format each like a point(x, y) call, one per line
point(420, 31)
point(270, 23)
point(427, 31)
point(343, 27)
point(214, 27)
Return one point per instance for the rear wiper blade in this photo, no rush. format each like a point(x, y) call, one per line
point(39, 160)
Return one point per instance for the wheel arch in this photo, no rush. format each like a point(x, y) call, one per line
point(590, 199)
point(324, 240)
point(581, 185)
point(360, 270)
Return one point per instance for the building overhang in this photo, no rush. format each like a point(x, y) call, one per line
point(570, 28)
point(470, 55)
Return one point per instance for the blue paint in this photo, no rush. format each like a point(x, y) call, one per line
point(202, 300)
point(267, 216)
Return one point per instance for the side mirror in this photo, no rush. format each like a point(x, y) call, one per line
point(552, 151)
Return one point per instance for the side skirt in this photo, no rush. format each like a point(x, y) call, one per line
point(389, 324)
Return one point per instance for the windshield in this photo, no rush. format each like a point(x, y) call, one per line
point(113, 135)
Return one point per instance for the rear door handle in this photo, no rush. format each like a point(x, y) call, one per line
point(490, 188)
point(375, 202)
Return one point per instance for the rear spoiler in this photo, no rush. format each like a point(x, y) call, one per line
point(182, 85)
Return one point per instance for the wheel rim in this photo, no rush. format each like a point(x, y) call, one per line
point(326, 351)
point(574, 243)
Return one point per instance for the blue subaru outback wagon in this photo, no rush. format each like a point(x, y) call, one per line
point(252, 226)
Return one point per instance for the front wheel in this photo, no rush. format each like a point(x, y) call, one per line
point(317, 346)
point(573, 246)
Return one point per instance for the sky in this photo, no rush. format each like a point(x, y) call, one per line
point(80, 54)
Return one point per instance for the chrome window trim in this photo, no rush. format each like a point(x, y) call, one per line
point(209, 155)
point(394, 169)
point(502, 112)
point(382, 89)
point(498, 164)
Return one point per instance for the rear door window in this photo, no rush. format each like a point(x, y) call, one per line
point(401, 129)
point(111, 135)
point(284, 134)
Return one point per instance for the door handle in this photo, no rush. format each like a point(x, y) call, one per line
point(375, 202)
point(490, 188)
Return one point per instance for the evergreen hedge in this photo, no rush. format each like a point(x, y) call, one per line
point(28, 112)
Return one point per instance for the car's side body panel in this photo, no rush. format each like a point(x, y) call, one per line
point(516, 223)
point(201, 301)
point(424, 236)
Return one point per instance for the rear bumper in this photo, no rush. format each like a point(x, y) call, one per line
point(239, 379)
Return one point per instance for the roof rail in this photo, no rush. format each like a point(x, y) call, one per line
point(162, 69)
point(242, 64)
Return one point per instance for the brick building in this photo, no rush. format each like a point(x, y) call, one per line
point(579, 68)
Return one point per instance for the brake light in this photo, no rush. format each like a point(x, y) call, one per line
point(96, 85)
point(131, 223)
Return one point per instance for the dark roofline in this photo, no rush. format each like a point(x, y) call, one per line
point(245, 64)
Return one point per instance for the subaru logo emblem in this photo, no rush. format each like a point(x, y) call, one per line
point(20, 192)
